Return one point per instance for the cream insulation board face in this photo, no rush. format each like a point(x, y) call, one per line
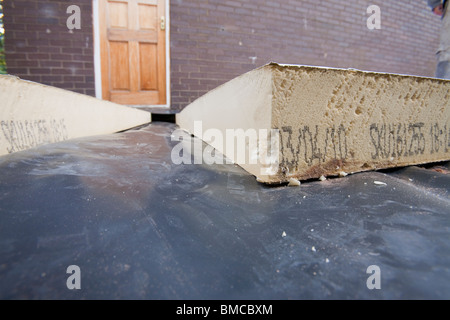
point(244, 103)
point(334, 120)
point(33, 114)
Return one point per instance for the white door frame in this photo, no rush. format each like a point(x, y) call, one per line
point(97, 62)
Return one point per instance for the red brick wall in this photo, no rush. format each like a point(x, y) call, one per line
point(39, 46)
point(212, 41)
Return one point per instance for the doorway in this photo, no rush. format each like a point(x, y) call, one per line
point(132, 51)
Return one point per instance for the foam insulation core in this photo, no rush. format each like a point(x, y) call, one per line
point(329, 121)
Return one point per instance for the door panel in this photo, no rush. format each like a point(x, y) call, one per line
point(132, 41)
point(120, 75)
point(118, 14)
point(148, 17)
point(149, 62)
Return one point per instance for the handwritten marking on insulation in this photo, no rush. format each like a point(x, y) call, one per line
point(24, 134)
point(397, 140)
point(314, 144)
point(318, 144)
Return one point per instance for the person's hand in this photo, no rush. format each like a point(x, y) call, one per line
point(439, 10)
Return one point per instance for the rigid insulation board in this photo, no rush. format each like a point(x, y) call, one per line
point(327, 121)
point(32, 114)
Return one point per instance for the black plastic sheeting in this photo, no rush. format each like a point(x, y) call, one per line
point(139, 226)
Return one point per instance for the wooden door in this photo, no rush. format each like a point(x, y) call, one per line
point(132, 51)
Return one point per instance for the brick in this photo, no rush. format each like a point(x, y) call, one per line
point(84, 72)
point(40, 45)
point(19, 34)
point(38, 71)
point(60, 71)
point(89, 78)
point(61, 43)
point(47, 21)
point(82, 85)
point(17, 56)
point(37, 43)
point(71, 49)
point(73, 64)
point(88, 65)
point(49, 49)
point(27, 63)
point(66, 85)
point(18, 71)
point(73, 78)
point(38, 56)
point(61, 57)
point(28, 49)
point(51, 79)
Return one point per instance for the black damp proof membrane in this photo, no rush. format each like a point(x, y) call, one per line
point(140, 227)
